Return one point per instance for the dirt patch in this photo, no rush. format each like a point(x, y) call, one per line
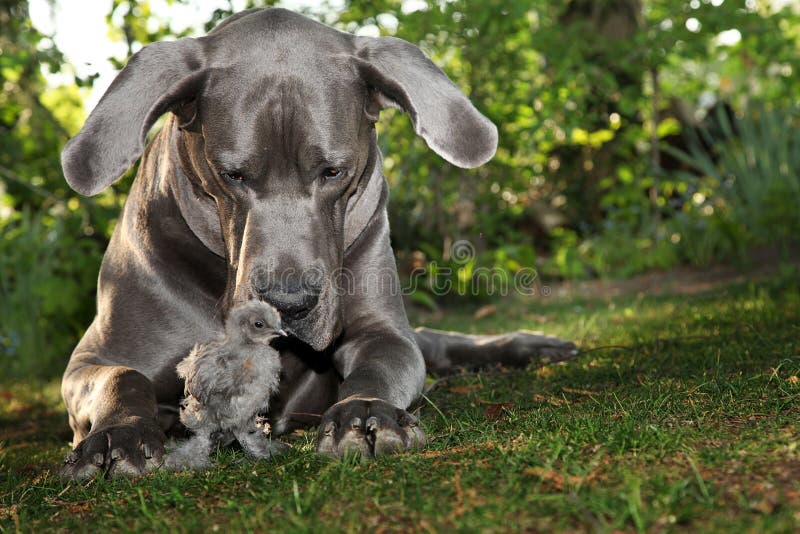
point(761, 488)
point(677, 281)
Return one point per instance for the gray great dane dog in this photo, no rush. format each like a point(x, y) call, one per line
point(265, 183)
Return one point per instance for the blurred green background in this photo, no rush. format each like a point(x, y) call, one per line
point(634, 135)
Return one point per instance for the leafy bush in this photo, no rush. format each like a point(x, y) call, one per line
point(462, 274)
point(744, 190)
point(48, 272)
point(616, 252)
point(702, 239)
point(756, 162)
point(571, 86)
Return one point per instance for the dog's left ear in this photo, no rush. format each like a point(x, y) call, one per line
point(402, 76)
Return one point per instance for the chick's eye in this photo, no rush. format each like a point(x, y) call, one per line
point(258, 324)
point(332, 173)
point(232, 176)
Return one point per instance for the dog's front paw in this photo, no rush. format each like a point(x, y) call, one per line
point(368, 428)
point(128, 450)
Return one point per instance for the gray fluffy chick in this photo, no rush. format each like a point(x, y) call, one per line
point(228, 382)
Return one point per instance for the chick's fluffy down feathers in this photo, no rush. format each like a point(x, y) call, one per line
point(227, 383)
point(225, 388)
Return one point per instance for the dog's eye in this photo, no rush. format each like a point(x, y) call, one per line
point(332, 173)
point(258, 324)
point(232, 176)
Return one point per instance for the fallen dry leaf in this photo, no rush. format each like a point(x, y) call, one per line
point(485, 311)
point(558, 480)
point(465, 389)
point(579, 391)
point(497, 411)
point(551, 400)
point(7, 512)
point(72, 507)
point(767, 504)
point(545, 372)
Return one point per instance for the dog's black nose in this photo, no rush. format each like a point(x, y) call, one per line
point(292, 302)
point(294, 293)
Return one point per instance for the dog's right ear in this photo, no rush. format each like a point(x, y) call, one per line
point(156, 79)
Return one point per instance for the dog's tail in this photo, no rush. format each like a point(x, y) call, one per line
point(450, 352)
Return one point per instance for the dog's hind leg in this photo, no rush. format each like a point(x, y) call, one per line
point(450, 352)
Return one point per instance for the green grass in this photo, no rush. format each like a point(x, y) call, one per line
point(694, 428)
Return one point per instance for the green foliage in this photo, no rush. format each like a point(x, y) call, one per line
point(571, 86)
point(703, 240)
point(566, 260)
point(47, 278)
point(50, 238)
point(756, 162)
point(462, 274)
point(744, 191)
point(616, 252)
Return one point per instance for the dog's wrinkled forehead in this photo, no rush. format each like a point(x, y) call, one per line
point(304, 117)
point(276, 78)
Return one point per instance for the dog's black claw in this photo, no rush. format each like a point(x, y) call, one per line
point(372, 424)
point(406, 419)
point(326, 442)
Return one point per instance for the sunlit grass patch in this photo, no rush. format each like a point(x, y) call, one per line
point(685, 416)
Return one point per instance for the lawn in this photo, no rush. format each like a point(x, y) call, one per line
point(686, 420)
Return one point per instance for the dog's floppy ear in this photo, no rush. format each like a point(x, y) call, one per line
point(156, 78)
point(402, 76)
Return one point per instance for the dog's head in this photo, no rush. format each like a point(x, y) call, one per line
point(274, 128)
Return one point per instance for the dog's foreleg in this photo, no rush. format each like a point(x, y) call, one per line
point(112, 411)
point(382, 367)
